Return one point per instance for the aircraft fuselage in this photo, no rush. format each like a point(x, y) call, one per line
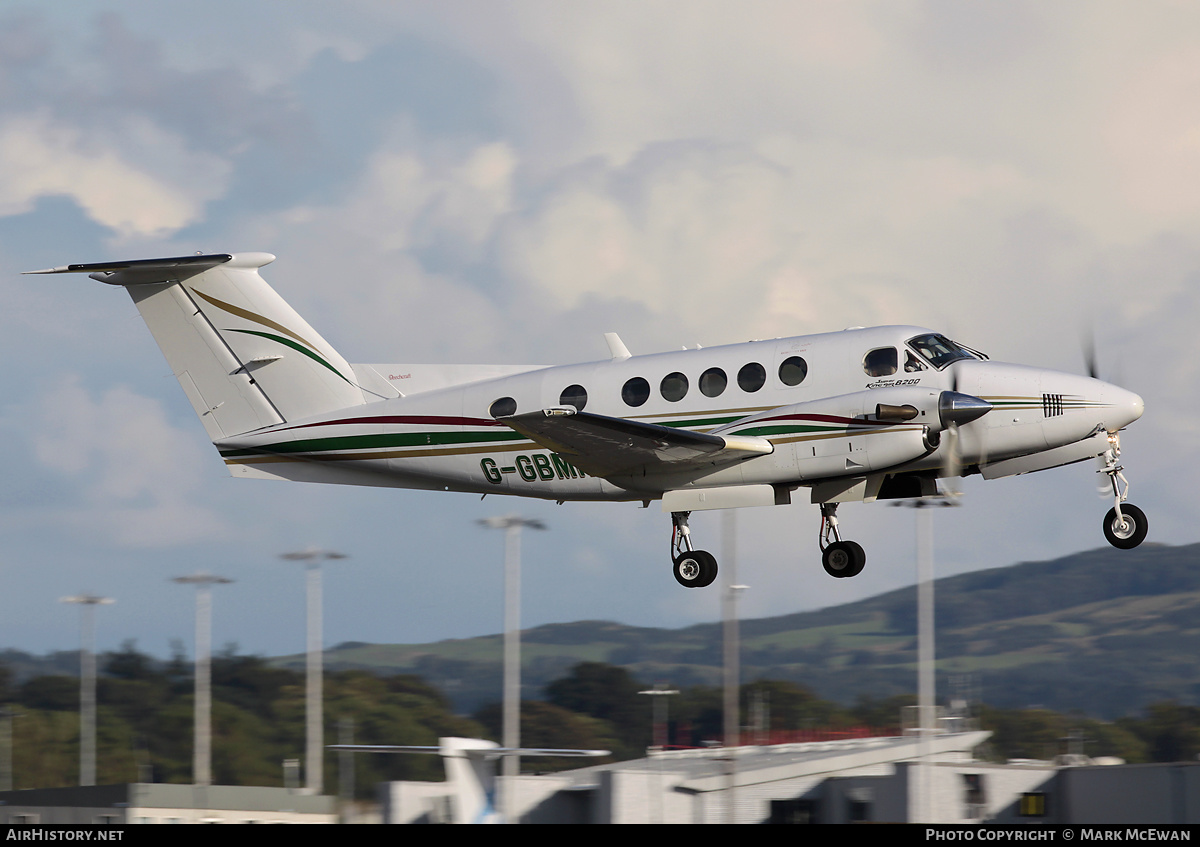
point(449, 439)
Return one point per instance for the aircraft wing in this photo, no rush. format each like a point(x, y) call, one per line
point(604, 446)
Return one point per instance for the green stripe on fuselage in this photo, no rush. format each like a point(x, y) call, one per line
point(366, 442)
point(427, 439)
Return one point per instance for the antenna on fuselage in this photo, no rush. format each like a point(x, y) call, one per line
point(616, 346)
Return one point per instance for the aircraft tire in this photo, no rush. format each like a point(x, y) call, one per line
point(1130, 534)
point(695, 569)
point(843, 559)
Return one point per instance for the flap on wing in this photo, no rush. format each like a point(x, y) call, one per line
point(604, 446)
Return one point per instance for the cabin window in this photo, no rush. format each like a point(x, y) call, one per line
point(674, 387)
point(503, 408)
point(793, 371)
point(713, 382)
point(573, 395)
point(881, 362)
point(751, 377)
point(635, 392)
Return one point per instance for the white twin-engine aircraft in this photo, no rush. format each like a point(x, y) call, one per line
point(862, 414)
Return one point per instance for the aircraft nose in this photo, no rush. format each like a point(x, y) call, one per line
point(1126, 407)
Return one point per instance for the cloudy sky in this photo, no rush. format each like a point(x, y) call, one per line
point(504, 182)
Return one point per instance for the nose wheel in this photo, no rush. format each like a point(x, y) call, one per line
point(1127, 528)
point(1125, 525)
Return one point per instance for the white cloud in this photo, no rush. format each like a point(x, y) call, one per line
point(143, 182)
point(136, 472)
point(405, 199)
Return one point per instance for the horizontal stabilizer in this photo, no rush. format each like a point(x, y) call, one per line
point(143, 271)
point(604, 446)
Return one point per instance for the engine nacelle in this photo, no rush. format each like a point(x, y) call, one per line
point(849, 435)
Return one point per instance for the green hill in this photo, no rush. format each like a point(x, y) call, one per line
point(1104, 631)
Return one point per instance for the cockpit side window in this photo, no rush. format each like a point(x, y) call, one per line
point(882, 361)
point(939, 350)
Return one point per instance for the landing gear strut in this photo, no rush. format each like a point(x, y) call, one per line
point(840, 558)
point(692, 568)
point(1125, 525)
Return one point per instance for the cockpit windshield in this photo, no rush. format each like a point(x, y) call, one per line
point(940, 350)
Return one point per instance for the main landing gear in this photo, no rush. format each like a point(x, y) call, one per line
point(840, 558)
point(698, 568)
point(692, 568)
point(1125, 525)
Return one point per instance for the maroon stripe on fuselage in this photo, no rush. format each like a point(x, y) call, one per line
point(410, 420)
point(833, 419)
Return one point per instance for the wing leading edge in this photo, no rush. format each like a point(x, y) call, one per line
point(604, 446)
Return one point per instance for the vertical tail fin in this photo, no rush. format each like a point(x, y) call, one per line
point(244, 357)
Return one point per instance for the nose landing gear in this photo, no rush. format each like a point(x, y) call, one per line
point(1125, 525)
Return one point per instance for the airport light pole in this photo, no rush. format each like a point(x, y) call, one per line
point(314, 759)
point(926, 659)
point(6, 746)
point(659, 733)
point(87, 681)
point(659, 728)
point(512, 525)
point(733, 671)
point(202, 732)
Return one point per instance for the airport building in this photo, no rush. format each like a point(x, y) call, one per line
point(843, 781)
point(870, 780)
point(867, 780)
point(164, 803)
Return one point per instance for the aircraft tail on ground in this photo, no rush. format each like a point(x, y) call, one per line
point(244, 357)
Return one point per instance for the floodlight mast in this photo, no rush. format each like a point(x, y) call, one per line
point(659, 732)
point(202, 732)
point(511, 524)
point(314, 768)
point(87, 682)
point(926, 659)
point(732, 650)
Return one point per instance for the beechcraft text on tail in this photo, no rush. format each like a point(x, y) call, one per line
point(857, 415)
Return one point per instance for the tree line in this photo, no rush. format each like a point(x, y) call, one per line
point(144, 722)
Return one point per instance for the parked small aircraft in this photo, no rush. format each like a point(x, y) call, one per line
point(857, 415)
point(470, 772)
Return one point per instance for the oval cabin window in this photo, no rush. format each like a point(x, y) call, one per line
point(751, 377)
point(573, 395)
point(503, 408)
point(713, 382)
point(635, 392)
point(793, 370)
point(674, 387)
